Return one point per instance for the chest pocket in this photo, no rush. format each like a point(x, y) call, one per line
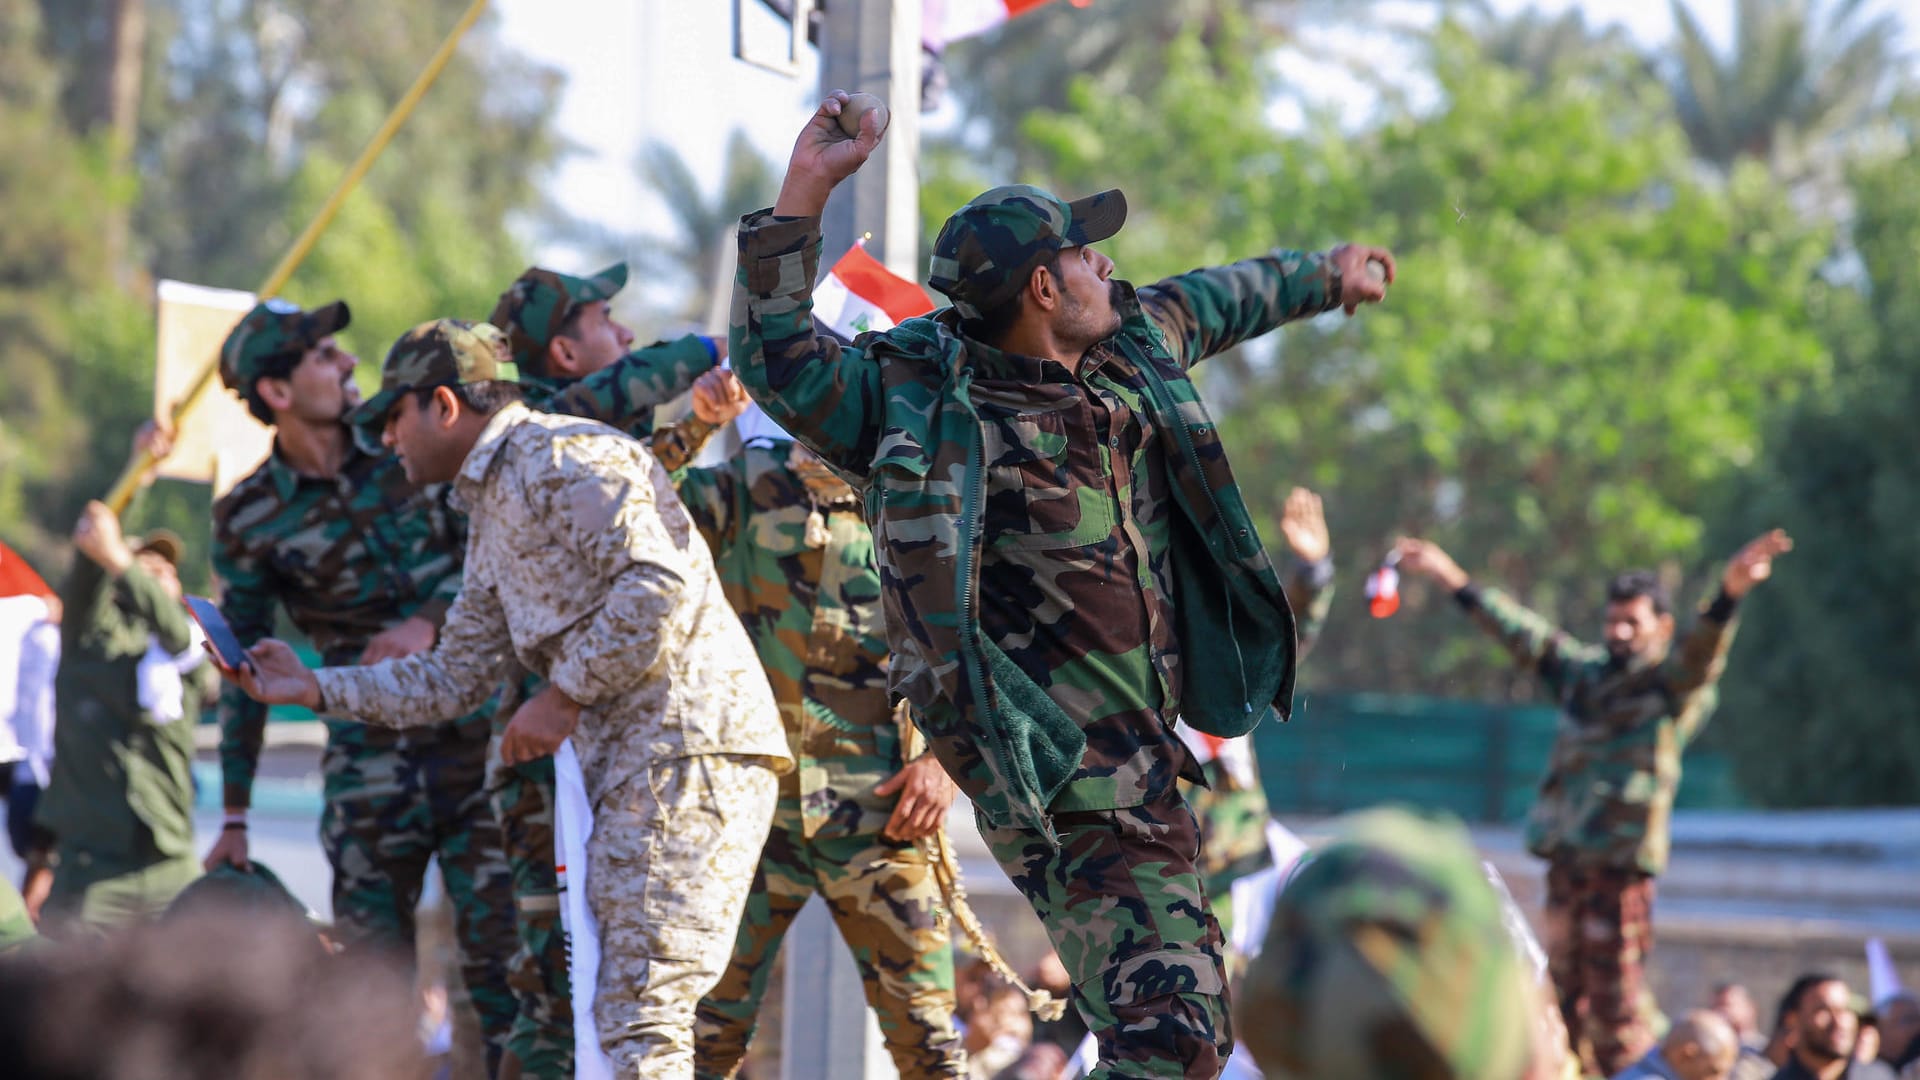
point(1045, 491)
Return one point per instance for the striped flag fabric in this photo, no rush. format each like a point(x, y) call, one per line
point(860, 294)
point(951, 20)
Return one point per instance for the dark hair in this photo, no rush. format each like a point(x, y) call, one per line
point(485, 398)
point(278, 366)
point(1802, 986)
point(536, 359)
point(1635, 584)
point(993, 325)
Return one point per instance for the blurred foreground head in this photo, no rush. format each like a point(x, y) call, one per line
point(1388, 957)
point(218, 991)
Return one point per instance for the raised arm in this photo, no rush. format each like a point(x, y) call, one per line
point(1534, 641)
point(826, 394)
point(1310, 584)
point(1697, 661)
point(1208, 311)
point(624, 394)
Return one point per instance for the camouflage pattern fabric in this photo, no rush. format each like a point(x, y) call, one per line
point(1387, 957)
point(993, 506)
point(1599, 932)
point(813, 613)
point(1607, 798)
point(1125, 910)
point(1232, 808)
point(533, 309)
point(885, 900)
point(275, 329)
point(383, 816)
point(796, 561)
point(684, 838)
point(989, 248)
point(444, 352)
point(583, 568)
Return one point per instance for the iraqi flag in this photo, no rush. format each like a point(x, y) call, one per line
point(17, 578)
point(951, 20)
point(859, 294)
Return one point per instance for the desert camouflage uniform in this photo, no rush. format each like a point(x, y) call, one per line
point(347, 558)
point(1067, 563)
point(584, 568)
point(813, 612)
point(1387, 958)
point(532, 310)
point(1601, 819)
point(1232, 804)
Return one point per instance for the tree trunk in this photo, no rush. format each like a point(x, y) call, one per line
point(125, 56)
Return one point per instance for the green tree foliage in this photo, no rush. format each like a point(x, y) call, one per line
point(1579, 348)
point(1823, 711)
point(249, 111)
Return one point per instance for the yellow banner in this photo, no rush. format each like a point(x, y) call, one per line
point(217, 442)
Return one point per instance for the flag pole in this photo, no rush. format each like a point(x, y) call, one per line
point(130, 478)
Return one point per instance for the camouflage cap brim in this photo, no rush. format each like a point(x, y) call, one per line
point(369, 419)
point(324, 322)
point(1095, 218)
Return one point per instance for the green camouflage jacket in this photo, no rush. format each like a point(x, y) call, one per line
point(121, 787)
point(901, 412)
point(632, 390)
point(349, 557)
point(814, 616)
point(1607, 797)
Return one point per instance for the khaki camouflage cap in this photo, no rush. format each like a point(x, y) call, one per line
point(272, 329)
point(444, 352)
point(988, 249)
point(536, 305)
point(1387, 957)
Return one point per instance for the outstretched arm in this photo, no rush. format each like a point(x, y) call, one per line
point(1208, 311)
point(1534, 641)
point(827, 394)
point(1696, 663)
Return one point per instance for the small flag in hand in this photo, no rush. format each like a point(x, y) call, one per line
point(1383, 587)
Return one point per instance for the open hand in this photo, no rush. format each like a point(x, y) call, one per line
point(1304, 523)
point(539, 727)
point(1753, 563)
point(823, 156)
point(926, 793)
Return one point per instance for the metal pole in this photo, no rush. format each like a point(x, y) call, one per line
point(871, 46)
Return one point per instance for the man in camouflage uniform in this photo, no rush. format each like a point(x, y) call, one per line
point(1387, 956)
point(583, 567)
point(796, 561)
point(1628, 709)
point(1232, 805)
point(119, 801)
point(561, 333)
point(1066, 561)
point(366, 564)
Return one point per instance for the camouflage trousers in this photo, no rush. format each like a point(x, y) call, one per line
point(1233, 836)
point(542, 1041)
point(887, 904)
point(1123, 905)
point(1599, 931)
point(669, 865)
point(386, 813)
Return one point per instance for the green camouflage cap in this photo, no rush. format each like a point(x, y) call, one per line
point(537, 304)
point(256, 887)
point(988, 249)
point(275, 328)
point(1388, 957)
point(444, 352)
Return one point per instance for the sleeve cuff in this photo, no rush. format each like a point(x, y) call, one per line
point(434, 611)
point(1722, 608)
point(763, 235)
point(713, 349)
point(1317, 574)
point(1467, 596)
point(236, 796)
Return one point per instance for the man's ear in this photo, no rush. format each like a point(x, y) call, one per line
point(449, 404)
point(1666, 624)
point(1043, 290)
point(560, 358)
point(276, 392)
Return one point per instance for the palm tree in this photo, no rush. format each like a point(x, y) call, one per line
point(1549, 47)
point(1801, 72)
point(694, 252)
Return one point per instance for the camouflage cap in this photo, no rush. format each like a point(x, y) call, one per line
point(275, 328)
point(162, 542)
point(1387, 956)
point(255, 887)
point(536, 305)
point(444, 352)
point(988, 249)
